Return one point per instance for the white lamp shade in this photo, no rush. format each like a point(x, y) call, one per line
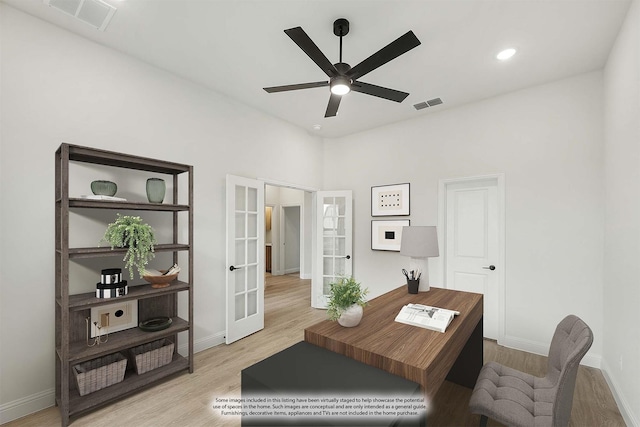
point(419, 242)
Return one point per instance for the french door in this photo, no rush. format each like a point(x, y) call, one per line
point(333, 243)
point(245, 257)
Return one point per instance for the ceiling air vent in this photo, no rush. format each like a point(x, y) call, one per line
point(429, 103)
point(93, 12)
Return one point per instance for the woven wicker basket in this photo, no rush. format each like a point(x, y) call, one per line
point(152, 355)
point(99, 373)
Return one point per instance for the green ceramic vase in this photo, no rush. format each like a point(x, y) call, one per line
point(156, 188)
point(104, 188)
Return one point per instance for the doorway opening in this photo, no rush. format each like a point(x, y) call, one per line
point(288, 231)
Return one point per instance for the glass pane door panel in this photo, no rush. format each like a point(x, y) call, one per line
point(240, 225)
point(252, 251)
point(328, 246)
point(240, 198)
point(240, 304)
point(327, 266)
point(252, 303)
point(339, 266)
point(252, 277)
point(252, 225)
point(240, 253)
point(340, 230)
point(340, 204)
point(327, 201)
point(340, 246)
point(326, 285)
point(240, 279)
point(252, 200)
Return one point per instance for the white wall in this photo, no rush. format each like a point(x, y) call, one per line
point(548, 142)
point(621, 350)
point(57, 87)
point(292, 235)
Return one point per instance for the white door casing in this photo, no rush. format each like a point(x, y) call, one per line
point(245, 257)
point(333, 241)
point(472, 218)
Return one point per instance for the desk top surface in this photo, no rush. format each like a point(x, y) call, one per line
point(415, 353)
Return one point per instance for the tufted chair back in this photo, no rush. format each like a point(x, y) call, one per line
point(570, 343)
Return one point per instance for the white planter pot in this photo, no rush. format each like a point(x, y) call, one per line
point(351, 316)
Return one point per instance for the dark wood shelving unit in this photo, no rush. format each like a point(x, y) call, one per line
point(107, 251)
point(88, 300)
point(71, 310)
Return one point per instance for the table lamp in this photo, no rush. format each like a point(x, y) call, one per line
point(419, 243)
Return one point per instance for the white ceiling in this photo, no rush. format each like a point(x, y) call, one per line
point(237, 47)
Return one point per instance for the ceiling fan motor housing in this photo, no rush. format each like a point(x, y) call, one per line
point(341, 27)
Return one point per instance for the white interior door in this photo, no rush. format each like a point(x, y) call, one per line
point(245, 257)
point(333, 240)
point(472, 245)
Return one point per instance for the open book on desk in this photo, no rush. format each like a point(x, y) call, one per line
point(424, 316)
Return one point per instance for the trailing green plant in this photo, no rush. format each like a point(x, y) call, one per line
point(139, 239)
point(343, 295)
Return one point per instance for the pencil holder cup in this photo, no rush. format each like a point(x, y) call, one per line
point(413, 285)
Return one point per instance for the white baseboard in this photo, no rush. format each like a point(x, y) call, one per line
point(27, 405)
point(306, 276)
point(591, 360)
point(623, 405)
point(292, 270)
point(203, 343)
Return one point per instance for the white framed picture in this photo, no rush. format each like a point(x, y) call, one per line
point(387, 235)
point(119, 316)
point(390, 200)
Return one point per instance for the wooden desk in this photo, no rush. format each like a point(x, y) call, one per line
point(417, 354)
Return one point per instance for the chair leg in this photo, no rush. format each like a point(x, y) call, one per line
point(483, 420)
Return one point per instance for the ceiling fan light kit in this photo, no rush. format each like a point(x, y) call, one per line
point(342, 77)
point(340, 85)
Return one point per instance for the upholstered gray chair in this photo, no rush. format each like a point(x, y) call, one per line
point(516, 398)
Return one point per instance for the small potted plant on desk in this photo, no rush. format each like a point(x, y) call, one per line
point(139, 239)
point(347, 298)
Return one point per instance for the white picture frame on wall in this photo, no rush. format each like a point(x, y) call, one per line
point(390, 200)
point(387, 235)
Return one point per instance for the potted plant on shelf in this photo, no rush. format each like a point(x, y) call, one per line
point(346, 300)
point(139, 239)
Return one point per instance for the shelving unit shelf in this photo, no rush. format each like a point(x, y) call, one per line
point(72, 310)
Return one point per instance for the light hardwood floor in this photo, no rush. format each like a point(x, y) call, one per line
point(186, 400)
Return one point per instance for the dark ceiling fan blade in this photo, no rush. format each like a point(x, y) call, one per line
point(295, 87)
point(301, 38)
point(401, 45)
point(379, 91)
point(334, 103)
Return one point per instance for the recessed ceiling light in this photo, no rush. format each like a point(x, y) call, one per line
point(317, 127)
point(506, 54)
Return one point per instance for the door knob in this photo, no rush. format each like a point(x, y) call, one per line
point(234, 268)
point(348, 257)
point(491, 267)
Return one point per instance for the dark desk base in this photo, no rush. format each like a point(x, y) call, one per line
point(467, 366)
point(304, 369)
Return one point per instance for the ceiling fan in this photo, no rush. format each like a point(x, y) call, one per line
point(342, 77)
